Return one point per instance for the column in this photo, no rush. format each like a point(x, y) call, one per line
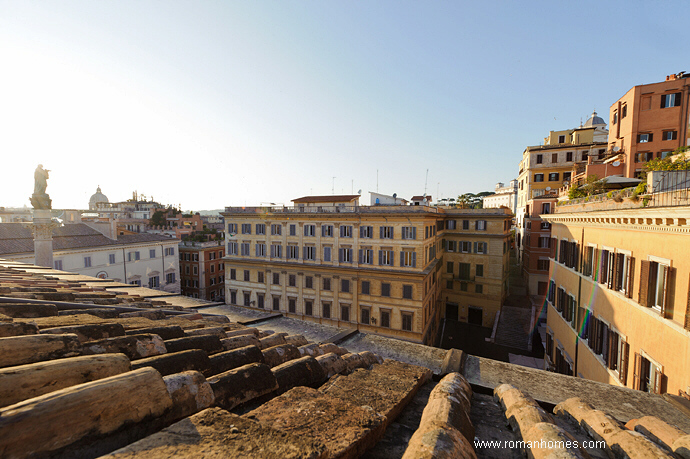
point(43, 237)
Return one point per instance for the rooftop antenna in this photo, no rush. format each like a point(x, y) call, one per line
point(426, 180)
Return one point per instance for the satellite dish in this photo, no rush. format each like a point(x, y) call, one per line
point(548, 188)
point(616, 163)
point(616, 148)
point(359, 191)
point(395, 195)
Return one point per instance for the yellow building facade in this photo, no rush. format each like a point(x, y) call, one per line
point(618, 308)
point(378, 269)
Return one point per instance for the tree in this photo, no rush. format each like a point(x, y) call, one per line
point(668, 163)
point(158, 218)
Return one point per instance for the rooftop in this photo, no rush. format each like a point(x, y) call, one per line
point(18, 238)
point(91, 371)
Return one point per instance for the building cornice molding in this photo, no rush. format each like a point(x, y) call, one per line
point(658, 219)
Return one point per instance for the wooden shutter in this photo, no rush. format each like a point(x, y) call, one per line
point(414, 232)
point(636, 371)
point(475, 247)
point(630, 277)
point(380, 257)
point(609, 348)
point(595, 265)
point(553, 246)
point(612, 270)
point(657, 380)
point(603, 270)
point(414, 259)
point(323, 230)
point(663, 104)
point(669, 284)
point(380, 232)
point(402, 257)
point(359, 257)
point(687, 310)
point(623, 370)
point(643, 294)
point(618, 281)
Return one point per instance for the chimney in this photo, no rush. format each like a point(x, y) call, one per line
point(43, 237)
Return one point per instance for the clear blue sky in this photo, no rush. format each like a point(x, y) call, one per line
point(216, 103)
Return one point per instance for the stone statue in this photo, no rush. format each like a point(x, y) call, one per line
point(40, 199)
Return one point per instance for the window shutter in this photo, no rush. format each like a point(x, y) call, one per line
point(677, 101)
point(402, 258)
point(669, 284)
point(380, 257)
point(618, 281)
point(392, 255)
point(476, 225)
point(643, 296)
point(361, 231)
point(475, 247)
point(623, 370)
point(304, 253)
point(663, 104)
point(657, 381)
point(380, 232)
point(650, 137)
point(323, 230)
point(636, 371)
point(444, 244)
point(612, 270)
point(392, 232)
point(553, 248)
point(414, 262)
point(349, 253)
point(610, 353)
point(360, 256)
point(595, 265)
point(486, 247)
point(414, 232)
point(687, 311)
point(630, 277)
point(340, 254)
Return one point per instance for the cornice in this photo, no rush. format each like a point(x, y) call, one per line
point(656, 219)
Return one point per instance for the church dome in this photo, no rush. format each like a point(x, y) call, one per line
point(595, 121)
point(96, 198)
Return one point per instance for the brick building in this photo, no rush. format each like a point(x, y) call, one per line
point(202, 269)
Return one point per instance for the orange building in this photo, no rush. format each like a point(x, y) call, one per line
point(650, 121)
point(202, 269)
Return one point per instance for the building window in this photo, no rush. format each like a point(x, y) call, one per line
point(87, 262)
point(449, 284)
point(670, 100)
point(561, 139)
point(345, 255)
point(309, 282)
point(656, 280)
point(260, 228)
point(544, 242)
point(669, 135)
point(480, 225)
point(292, 280)
point(480, 248)
point(385, 319)
point(624, 111)
point(276, 303)
point(479, 269)
point(309, 252)
point(538, 177)
point(366, 313)
point(644, 157)
point(276, 251)
point(233, 296)
point(345, 312)
point(260, 277)
point(449, 267)
point(345, 285)
point(246, 275)
point(546, 208)
point(553, 176)
point(465, 246)
point(246, 228)
point(366, 232)
point(232, 228)
point(540, 159)
point(464, 271)
point(58, 265)
point(326, 254)
point(406, 321)
point(326, 230)
point(407, 292)
point(566, 176)
point(292, 252)
point(345, 230)
point(465, 224)
point(232, 248)
point(276, 278)
point(542, 265)
point(615, 118)
point(310, 230)
point(408, 258)
point(647, 376)
point(326, 310)
point(326, 283)
point(292, 305)
point(247, 298)
point(386, 232)
point(213, 269)
point(365, 287)
point(233, 273)
point(293, 230)
point(244, 249)
point(276, 230)
point(410, 232)
point(260, 249)
point(260, 300)
point(308, 308)
point(478, 288)
point(385, 257)
point(366, 256)
point(644, 138)
point(385, 289)
point(153, 282)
